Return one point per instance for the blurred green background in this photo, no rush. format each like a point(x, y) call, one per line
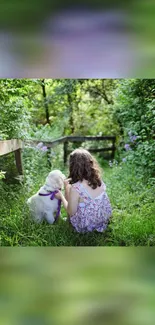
point(31, 14)
point(26, 29)
point(77, 286)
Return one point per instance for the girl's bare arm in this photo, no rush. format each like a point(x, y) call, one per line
point(72, 203)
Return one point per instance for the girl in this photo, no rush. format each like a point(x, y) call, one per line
point(85, 201)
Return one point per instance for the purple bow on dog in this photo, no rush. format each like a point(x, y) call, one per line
point(52, 196)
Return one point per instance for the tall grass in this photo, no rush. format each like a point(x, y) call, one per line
point(132, 222)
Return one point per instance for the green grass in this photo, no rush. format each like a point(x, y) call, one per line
point(132, 222)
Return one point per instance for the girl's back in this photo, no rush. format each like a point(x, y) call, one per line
point(94, 209)
point(93, 192)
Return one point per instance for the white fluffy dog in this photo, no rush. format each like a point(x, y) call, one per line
point(43, 205)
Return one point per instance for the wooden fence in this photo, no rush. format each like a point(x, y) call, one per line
point(81, 139)
point(16, 146)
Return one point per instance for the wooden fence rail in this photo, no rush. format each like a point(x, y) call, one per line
point(81, 139)
point(16, 146)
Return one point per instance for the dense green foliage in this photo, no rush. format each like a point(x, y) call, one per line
point(48, 109)
point(135, 110)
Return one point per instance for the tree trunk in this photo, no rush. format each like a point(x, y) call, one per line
point(71, 121)
point(45, 101)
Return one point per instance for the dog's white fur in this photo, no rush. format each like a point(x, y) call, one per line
point(42, 207)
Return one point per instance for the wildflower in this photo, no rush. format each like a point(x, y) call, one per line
point(127, 147)
point(44, 148)
point(110, 163)
point(133, 138)
point(40, 145)
point(124, 159)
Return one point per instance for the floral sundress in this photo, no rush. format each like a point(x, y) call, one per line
point(93, 213)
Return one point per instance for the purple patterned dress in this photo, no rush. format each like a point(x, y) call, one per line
point(92, 214)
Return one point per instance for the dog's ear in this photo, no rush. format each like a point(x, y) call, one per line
point(60, 179)
point(50, 182)
point(59, 183)
point(53, 182)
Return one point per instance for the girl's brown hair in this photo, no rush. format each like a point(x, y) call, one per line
point(82, 165)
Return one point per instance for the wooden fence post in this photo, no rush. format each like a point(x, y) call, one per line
point(18, 159)
point(65, 152)
point(49, 157)
point(113, 148)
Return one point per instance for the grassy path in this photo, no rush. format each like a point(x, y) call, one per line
point(132, 224)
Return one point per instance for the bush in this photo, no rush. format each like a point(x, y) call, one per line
point(135, 112)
